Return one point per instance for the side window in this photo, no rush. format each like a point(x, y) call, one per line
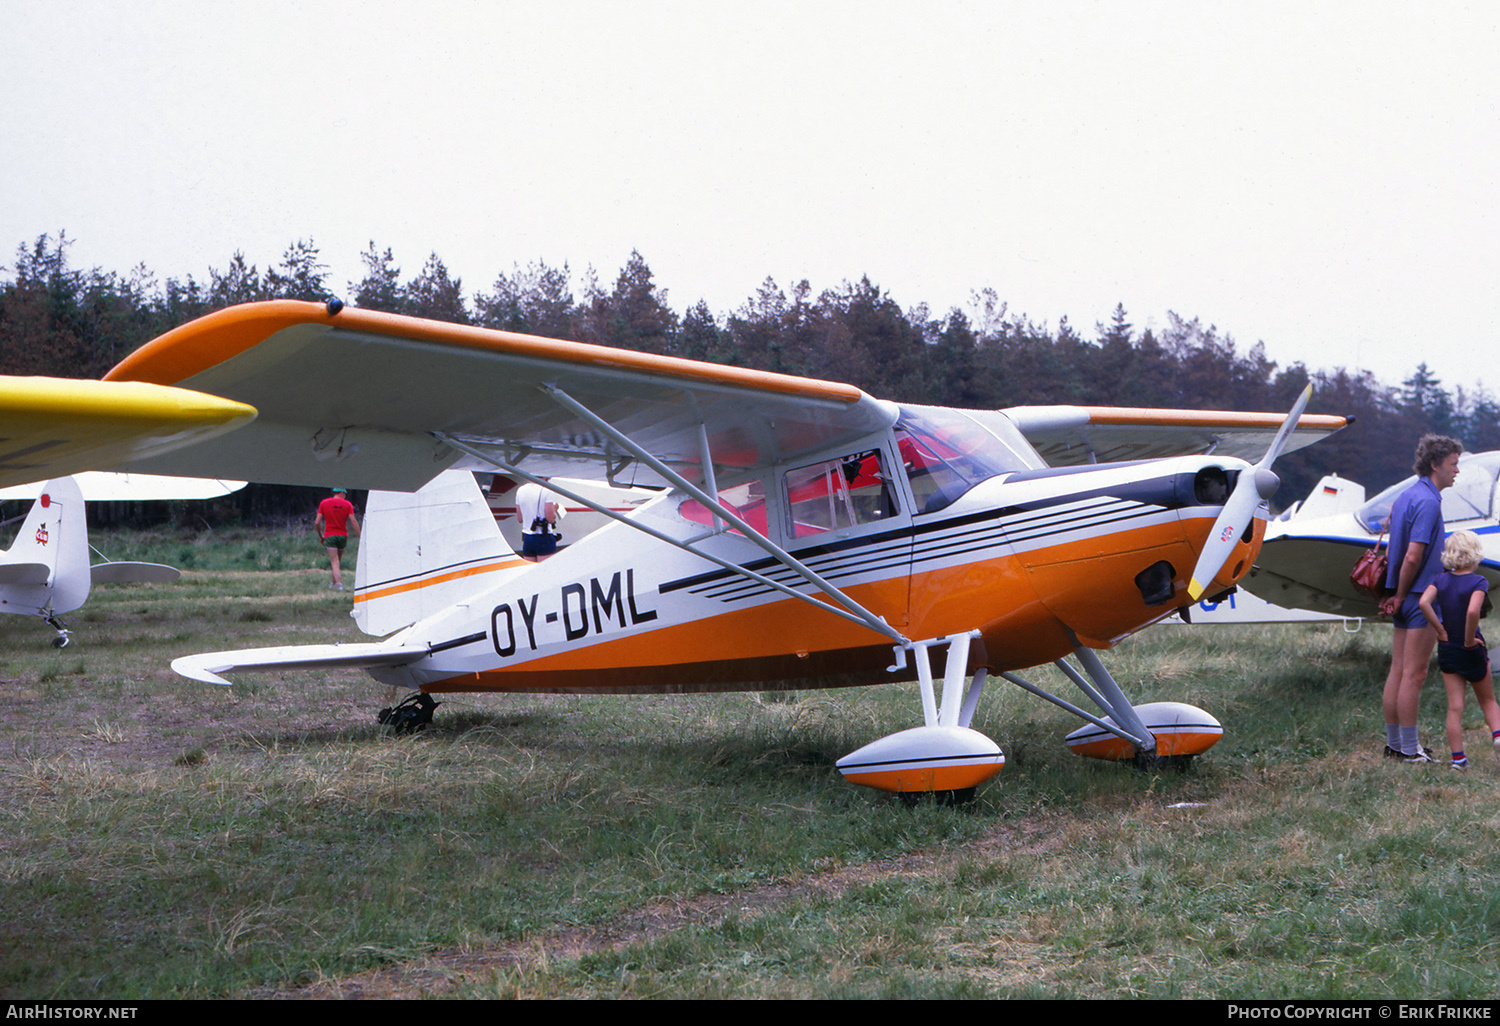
point(837, 494)
point(748, 500)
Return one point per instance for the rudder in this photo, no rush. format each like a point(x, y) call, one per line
point(421, 552)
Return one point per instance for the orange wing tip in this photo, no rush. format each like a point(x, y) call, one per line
point(1179, 728)
point(924, 759)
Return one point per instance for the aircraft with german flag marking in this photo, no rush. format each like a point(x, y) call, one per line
point(807, 534)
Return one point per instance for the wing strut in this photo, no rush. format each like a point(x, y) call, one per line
point(1105, 693)
point(851, 610)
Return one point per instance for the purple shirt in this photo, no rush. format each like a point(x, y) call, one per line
point(1452, 604)
point(1417, 516)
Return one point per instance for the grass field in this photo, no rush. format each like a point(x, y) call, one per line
point(162, 838)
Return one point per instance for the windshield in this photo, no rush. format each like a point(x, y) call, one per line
point(1469, 498)
point(947, 452)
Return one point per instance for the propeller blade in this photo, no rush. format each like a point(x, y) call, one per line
point(1285, 431)
point(1256, 485)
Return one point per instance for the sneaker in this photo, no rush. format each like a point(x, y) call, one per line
point(1396, 753)
point(1460, 764)
point(1425, 755)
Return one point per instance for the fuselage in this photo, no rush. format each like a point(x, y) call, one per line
point(1039, 560)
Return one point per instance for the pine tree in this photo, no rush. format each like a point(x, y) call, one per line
point(381, 287)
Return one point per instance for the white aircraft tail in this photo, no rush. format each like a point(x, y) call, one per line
point(422, 552)
point(46, 570)
point(1329, 496)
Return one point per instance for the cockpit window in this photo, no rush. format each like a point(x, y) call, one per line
point(947, 452)
point(1469, 498)
point(838, 494)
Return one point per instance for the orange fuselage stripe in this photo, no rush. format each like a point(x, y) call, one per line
point(366, 594)
point(1130, 417)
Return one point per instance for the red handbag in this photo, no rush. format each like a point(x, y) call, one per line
point(1369, 574)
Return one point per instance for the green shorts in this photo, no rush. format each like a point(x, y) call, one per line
point(336, 541)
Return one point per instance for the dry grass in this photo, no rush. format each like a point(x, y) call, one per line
point(160, 838)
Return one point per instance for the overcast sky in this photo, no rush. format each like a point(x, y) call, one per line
point(1318, 176)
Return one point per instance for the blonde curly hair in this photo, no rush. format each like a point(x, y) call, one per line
point(1462, 549)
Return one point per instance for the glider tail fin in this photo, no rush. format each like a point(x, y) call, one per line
point(48, 565)
point(421, 552)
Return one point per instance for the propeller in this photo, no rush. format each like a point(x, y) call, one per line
point(1254, 487)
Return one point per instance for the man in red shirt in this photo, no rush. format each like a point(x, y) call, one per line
point(335, 518)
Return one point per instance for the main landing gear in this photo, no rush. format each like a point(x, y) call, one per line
point(946, 759)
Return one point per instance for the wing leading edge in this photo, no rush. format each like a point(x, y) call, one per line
point(1072, 435)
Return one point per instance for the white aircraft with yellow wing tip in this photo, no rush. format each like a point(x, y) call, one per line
point(53, 427)
point(809, 535)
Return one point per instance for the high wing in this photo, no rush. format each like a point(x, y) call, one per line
point(365, 399)
point(1072, 435)
point(52, 427)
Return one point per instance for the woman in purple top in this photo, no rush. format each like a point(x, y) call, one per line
point(1453, 604)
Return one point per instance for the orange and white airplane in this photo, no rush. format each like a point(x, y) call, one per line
point(809, 534)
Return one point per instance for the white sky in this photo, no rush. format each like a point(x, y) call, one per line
point(1319, 176)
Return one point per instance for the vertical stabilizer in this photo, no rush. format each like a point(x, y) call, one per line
point(421, 552)
point(47, 568)
point(1331, 496)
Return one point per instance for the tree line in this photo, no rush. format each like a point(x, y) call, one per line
point(64, 321)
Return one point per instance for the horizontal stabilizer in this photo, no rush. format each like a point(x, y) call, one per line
point(24, 573)
point(207, 666)
point(125, 572)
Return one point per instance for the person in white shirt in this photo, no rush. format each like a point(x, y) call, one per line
point(538, 512)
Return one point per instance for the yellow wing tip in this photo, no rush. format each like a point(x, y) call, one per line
point(120, 401)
